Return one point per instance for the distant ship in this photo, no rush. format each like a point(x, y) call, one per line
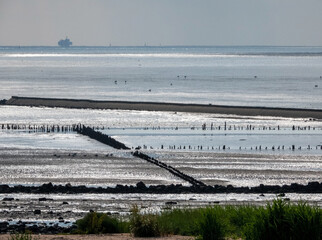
point(65, 43)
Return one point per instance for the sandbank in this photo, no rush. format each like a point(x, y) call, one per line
point(171, 107)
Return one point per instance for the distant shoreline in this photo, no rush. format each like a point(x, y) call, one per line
point(169, 107)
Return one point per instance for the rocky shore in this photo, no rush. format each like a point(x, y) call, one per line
point(45, 213)
point(35, 227)
point(311, 187)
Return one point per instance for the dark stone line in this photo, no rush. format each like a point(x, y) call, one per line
point(49, 188)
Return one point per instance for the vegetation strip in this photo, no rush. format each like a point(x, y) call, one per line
point(278, 220)
point(159, 106)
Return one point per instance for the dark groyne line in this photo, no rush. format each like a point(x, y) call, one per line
point(157, 106)
point(105, 139)
point(49, 188)
point(171, 169)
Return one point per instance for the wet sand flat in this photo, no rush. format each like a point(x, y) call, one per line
point(30, 166)
point(158, 106)
point(38, 166)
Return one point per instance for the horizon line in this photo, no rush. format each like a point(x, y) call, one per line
point(148, 46)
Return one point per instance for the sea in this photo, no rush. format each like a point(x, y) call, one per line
point(251, 151)
point(239, 76)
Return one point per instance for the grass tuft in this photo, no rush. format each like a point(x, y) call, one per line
point(212, 225)
point(95, 223)
point(180, 222)
point(143, 225)
point(283, 221)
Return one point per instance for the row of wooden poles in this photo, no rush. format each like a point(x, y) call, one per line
point(225, 147)
point(69, 128)
point(44, 128)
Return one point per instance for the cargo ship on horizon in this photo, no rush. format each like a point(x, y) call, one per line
point(65, 42)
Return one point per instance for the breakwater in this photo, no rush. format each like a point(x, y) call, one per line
point(171, 169)
point(159, 106)
point(49, 188)
point(105, 139)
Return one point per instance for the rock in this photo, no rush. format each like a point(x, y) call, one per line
point(37, 211)
point(4, 227)
point(65, 203)
point(46, 188)
point(140, 185)
point(314, 185)
point(33, 228)
point(281, 195)
point(171, 203)
point(8, 199)
point(4, 188)
point(45, 199)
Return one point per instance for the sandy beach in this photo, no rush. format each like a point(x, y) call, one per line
point(158, 106)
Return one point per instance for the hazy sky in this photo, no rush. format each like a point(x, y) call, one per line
point(165, 22)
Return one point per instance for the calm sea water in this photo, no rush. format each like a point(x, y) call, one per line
point(248, 76)
point(253, 76)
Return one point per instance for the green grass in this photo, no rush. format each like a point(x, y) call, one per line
point(143, 225)
point(282, 220)
point(94, 223)
point(179, 221)
point(212, 225)
point(278, 220)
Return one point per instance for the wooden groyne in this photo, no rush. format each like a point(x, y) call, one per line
point(159, 106)
point(101, 137)
point(105, 139)
point(171, 169)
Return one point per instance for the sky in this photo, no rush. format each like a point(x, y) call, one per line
point(161, 22)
